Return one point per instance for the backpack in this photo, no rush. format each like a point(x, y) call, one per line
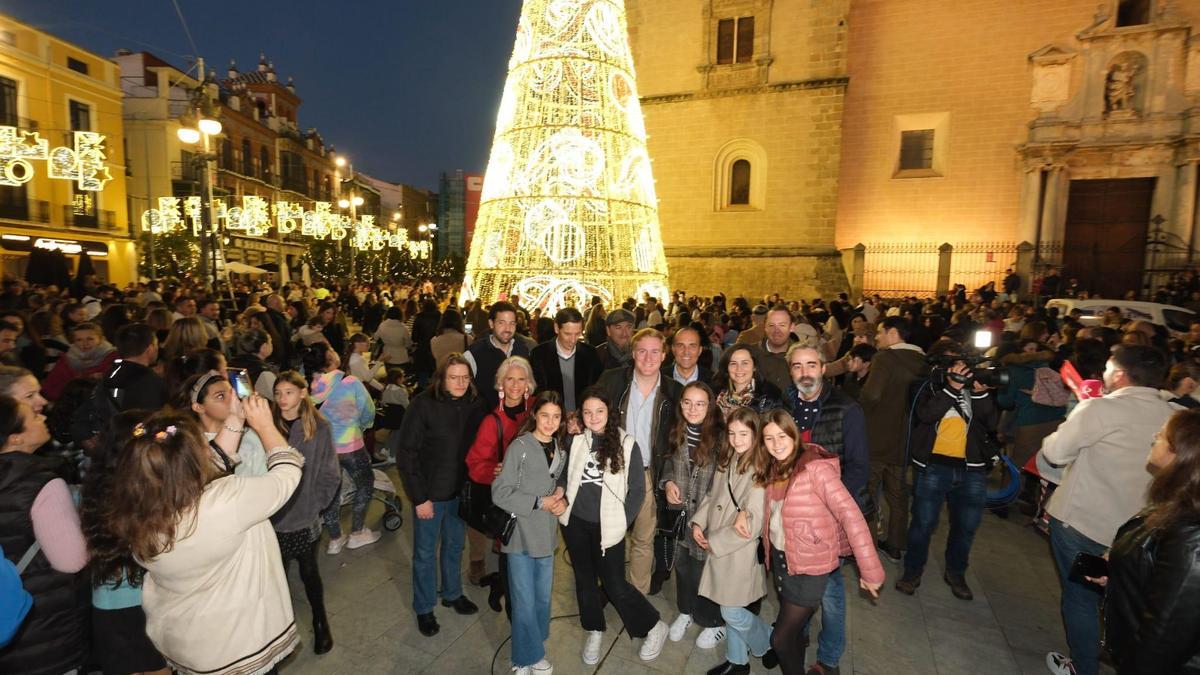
point(15, 601)
point(1048, 388)
point(93, 417)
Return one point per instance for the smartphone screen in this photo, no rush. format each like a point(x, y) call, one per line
point(240, 379)
point(1088, 565)
point(469, 327)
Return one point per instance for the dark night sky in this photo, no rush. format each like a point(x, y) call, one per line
point(405, 88)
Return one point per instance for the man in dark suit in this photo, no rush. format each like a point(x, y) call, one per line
point(566, 364)
point(684, 366)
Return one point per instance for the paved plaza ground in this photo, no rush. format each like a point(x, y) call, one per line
point(1008, 628)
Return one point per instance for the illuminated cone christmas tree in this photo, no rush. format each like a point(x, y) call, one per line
point(568, 209)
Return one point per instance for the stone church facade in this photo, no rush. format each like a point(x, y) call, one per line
point(1025, 133)
point(743, 102)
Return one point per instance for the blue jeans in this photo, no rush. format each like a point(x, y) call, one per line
point(452, 530)
point(529, 583)
point(831, 643)
point(745, 634)
point(1080, 602)
point(966, 493)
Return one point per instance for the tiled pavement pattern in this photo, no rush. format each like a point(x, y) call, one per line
point(1008, 628)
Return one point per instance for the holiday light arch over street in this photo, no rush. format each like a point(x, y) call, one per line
point(568, 209)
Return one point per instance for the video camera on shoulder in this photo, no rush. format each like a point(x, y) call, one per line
point(979, 368)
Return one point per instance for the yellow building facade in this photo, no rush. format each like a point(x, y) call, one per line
point(743, 101)
point(55, 88)
point(1069, 126)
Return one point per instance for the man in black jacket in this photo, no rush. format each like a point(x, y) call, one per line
point(281, 354)
point(430, 451)
point(566, 364)
point(684, 366)
point(951, 452)
point(647, 402)
point(129, 384)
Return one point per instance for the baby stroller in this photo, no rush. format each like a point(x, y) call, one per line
point(383, 491)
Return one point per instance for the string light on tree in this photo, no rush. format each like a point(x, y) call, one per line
point(568, 208)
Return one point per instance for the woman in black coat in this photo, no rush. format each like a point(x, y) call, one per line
point(1152, 603)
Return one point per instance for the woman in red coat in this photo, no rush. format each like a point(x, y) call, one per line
point(514, 381)
point(90, 356)
point(812, 522)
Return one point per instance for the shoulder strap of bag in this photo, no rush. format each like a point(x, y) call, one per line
point(499, 435)
point(729, 486)
point(28, 557)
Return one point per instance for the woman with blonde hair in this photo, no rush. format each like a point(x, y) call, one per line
point(186, 335)
point(214, 592)
point(514, 381)
point(810, 521)
point(728, 523)
point(298, 523)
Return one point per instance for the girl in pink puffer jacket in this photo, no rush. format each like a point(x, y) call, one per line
point(812, 521)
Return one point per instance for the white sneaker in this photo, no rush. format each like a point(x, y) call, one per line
point(591, 648)
point(520, 670)
point(1059, 664)
point(679, 626)
point(364, 538)
point(542, 667)
point(711, 637)
point(336, 545)
point(653, 645)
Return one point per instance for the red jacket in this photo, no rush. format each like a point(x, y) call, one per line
point(486, 451)
point(821, 521)
point(56, 382)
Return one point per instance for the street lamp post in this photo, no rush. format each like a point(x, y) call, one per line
point(201, 134)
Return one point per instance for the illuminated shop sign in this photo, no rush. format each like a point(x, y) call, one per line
point(27, 243)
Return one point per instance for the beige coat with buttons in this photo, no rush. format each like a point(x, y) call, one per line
point(732, 575)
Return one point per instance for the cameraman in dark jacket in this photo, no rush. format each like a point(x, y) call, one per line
point(951, 450)
point(430, 451)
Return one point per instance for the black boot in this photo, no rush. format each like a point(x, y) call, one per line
point(495, 593)
point(728, 668)
point(322, 638)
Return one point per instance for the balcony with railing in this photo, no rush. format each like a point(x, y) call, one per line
point(28, 210)
point(105, 220)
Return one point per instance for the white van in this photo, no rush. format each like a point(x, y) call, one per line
point(1176, 319)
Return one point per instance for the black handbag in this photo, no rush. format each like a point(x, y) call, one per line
point(475, 505)
point(761, 551)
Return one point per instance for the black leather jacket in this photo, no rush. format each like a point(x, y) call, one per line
point(1152, 602)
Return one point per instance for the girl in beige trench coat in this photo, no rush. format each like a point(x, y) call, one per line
point(727, 524)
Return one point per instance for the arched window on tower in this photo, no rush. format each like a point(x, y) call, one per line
point(739, 183)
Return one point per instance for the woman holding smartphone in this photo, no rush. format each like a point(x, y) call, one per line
point(527, 488)
point(216, 406)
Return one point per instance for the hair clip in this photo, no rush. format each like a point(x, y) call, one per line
point(166, 433)
point(139, 430)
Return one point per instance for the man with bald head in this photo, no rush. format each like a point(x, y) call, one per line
point(281, 354)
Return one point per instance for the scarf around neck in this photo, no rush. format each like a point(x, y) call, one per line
point(80, 360)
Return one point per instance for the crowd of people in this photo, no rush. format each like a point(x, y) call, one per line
point(166, 452)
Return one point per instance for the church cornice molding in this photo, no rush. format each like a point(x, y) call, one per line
point(750, 251)
point(780, 87)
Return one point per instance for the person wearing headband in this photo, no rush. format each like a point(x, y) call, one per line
point(215, 406)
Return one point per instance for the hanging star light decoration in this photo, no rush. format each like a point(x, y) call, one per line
point(568, 208)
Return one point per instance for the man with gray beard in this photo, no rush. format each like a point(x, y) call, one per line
point(834, 421)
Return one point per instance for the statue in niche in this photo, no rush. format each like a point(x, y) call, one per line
point(1120, 91)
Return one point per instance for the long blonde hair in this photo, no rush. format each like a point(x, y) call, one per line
point(186, 335)
point(310, 417)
